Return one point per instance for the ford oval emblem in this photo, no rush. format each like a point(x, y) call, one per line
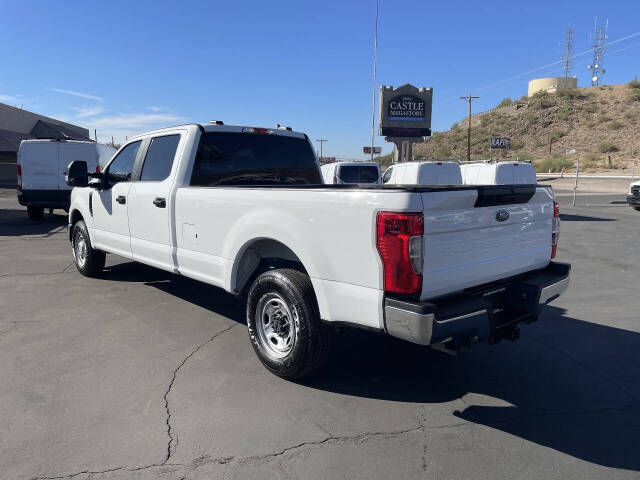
point(502, 215)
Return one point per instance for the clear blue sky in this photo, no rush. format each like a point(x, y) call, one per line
point(127, 67)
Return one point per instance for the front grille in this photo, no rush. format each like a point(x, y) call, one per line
point(635, 191)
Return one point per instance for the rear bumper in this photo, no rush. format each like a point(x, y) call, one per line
point(45, 198)
point(487, 313)
point(634, 201)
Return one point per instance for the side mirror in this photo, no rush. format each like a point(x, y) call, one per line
point(96, 182)
point(77, 175)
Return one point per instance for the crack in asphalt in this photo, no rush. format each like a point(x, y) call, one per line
point(174, 439)
point(64, 270)
point(204, 460)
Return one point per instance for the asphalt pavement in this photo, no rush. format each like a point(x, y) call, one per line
point(140, 374)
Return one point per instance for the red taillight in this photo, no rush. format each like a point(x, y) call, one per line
point(399, 239)
point(555, 229)
point(335, 178)
point(19, 177)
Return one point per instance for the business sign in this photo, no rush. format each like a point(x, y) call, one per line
point(500, 142)
point(375, 149)
point(406, 108)
point(405, 111)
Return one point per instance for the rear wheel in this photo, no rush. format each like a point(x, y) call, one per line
point(284, 324)
point(35, 213)
point(89, 261)
point(637, 208)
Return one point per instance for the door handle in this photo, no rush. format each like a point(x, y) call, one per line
point(160, 202)
point(121, 199)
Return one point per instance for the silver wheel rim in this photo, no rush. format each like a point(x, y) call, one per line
point(80, 249)
point(277, 325)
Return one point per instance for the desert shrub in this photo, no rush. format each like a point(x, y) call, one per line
point(607, 147)
point(505, 102)
point(443, 151)
point(634, 84)
point(530, 117)
point(615, 125)
point(517, 145)
point(634, 96)
point(554, 163)
point(564, 114)
point(604, 118)
point(556, 134)
point(455, 126)
point(628, 114)
point(570, 93)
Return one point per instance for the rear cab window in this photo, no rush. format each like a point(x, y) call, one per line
point(238, 158)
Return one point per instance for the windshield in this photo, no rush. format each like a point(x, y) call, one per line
point(359, 174)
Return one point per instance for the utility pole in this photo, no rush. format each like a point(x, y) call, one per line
point(321, 140)
point(373, 95)
point(469, 98)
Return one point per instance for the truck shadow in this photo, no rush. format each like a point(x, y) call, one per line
point(566, 217)
point(14, 222)
point(569, 385)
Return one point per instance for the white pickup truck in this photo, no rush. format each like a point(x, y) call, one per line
point(245, 209)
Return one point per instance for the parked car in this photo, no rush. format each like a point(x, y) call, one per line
point(633, 199)
point(245, 209)
point(498, 173)
point(351, 172)
point(41, 171)
point(423, 173)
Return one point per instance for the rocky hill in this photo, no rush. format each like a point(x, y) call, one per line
point(598, 122)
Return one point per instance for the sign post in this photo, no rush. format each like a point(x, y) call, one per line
point(405, 118)
point(369, 150)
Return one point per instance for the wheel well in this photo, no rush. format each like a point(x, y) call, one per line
point(76, 216)
point(260, 256)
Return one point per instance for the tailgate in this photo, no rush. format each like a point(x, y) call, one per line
point(484, 234)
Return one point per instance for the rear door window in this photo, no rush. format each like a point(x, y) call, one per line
point(159, 158)
point(235, 158)
point(359, 174)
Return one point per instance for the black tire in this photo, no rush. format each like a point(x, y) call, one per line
point(309, 347)
point(89, 261)
point(35, 213)
point(636, 209)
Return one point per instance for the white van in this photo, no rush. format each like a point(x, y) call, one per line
point(351, 172)
point(42, 166)
point(423, 173)
point(499, 173)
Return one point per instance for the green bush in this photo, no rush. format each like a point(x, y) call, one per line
point(634, 96)
point(443, 151)
point(634, 84)
point(556, 134)
point(530, 117)
point(455, 126)
point(615, 125)
point(570, 93)
point(607, 147)
point(554, 163)
point(505, 102)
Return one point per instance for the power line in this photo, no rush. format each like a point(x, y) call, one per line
point(543, 67)
point(321, 141)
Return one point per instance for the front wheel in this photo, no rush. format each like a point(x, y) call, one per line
point(284, 324)
point(89, 261)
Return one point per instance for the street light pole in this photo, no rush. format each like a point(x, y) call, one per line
point(321, 141)
point(469, 98)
